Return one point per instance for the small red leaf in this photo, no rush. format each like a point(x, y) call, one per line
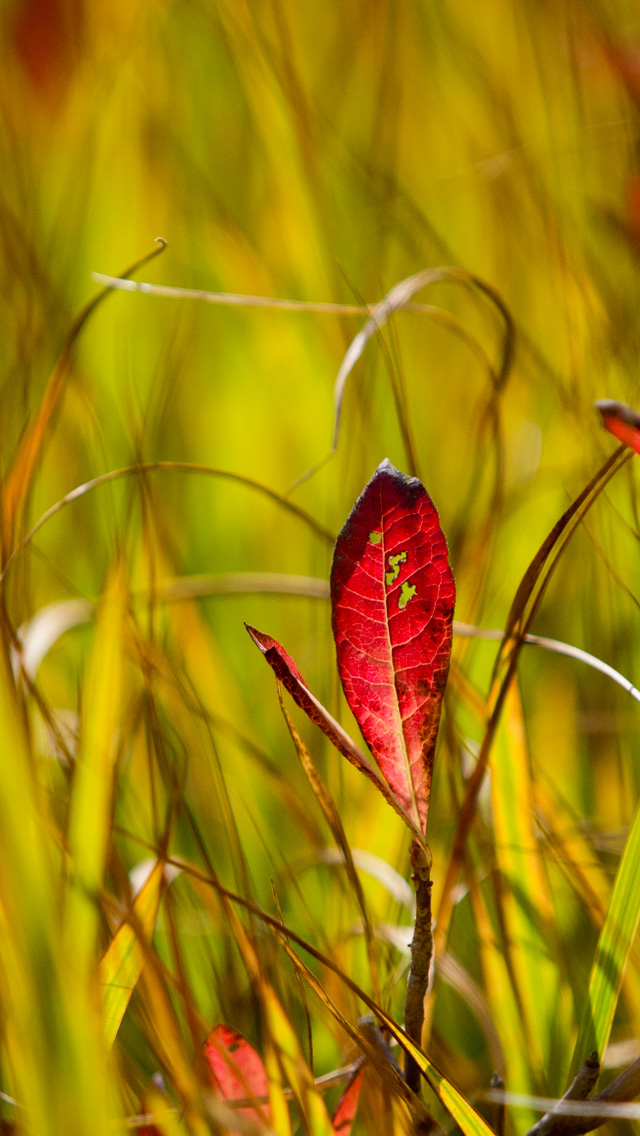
point(237, 1071)
point(393, 595)
point(347, 1106)
point(621, 421)
point(287, 672)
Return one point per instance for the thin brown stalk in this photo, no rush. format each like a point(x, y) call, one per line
point(421, 958)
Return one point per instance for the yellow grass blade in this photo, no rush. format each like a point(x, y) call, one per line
point(90, 819)
point(52, 1033)
point(121, 963)
point(165, 1037)
point(28, 957)
point(314, 1115)
point(527, 916)
point(502, 998)
point(280, 1115)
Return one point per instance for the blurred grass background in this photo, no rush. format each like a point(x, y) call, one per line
point(312, 153)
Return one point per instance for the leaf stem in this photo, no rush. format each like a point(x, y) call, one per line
point(421, 958)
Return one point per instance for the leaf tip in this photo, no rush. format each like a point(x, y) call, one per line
point(388, 469)
point(609, 407)
point(256, 636)
point(621, 421)
point(403, 482)
point(386, 466)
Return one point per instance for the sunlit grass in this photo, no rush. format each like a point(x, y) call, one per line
point(309, 154)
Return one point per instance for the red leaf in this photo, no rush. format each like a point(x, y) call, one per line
point(44, 40)
point(621, 421)
point(346, 1107)
point(287, 672)
point(393, 595)
point(237, 1071)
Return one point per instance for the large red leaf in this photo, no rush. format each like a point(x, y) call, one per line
point(237, 1071)
point(393, 595)
point(286, 670)
point(621, 421)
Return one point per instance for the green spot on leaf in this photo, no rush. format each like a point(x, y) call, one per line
point(394, 566)
point(407, 592)
point(375, 537)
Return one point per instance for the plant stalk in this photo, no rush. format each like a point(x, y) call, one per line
point(421, 958)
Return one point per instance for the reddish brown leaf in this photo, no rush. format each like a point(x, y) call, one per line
point(393, 595)
point(287, 672)
point(347, 1106)
point(237, 1071)
point(45, 41)
point(621, 421)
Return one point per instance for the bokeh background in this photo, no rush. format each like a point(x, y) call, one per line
point(324, 153)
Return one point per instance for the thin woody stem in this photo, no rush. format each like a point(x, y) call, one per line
point(579, 1089)
point(421, 957)
point(558, 1123)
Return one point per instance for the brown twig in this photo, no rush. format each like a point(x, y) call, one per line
point(499, 1114)
point(557, 1121)
point(421, 956)
point(372, 1031)
point(561, 1122)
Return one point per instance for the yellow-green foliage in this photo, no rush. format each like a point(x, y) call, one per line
point(320, 153)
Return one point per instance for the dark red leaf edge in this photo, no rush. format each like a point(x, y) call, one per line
point(393, 595)
point(287, 672)
point(237, 1071)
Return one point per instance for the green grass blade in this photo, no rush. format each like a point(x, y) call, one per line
point(614, 945)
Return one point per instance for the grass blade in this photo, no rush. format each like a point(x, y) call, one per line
point(167, 467)
point(523, 609)
point(121, 963)
point(614, 945)
point(527, 916)
point(90, 818)
point(328, 806)
point(454, 1103)
point(468, 1120)
point(18, 483)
